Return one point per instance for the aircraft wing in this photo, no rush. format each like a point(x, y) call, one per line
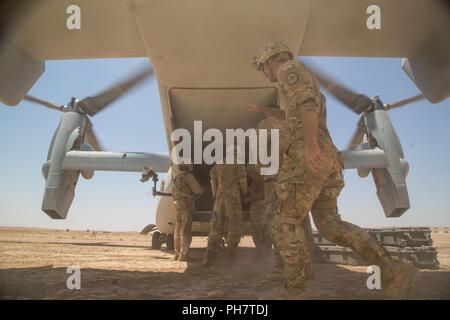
point(203, 43)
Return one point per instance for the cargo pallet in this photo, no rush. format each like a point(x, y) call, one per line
point(410, 245)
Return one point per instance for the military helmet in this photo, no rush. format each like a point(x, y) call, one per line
point(267, 51)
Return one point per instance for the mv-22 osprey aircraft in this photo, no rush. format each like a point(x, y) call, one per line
point(200, 51)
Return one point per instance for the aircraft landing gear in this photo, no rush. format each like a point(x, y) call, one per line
point(156, 240)
point(170, 242)
point(159, 238)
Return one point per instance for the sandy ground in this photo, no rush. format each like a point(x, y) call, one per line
point(120, 265)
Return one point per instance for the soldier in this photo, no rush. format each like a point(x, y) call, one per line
point(311, 179)
point(186, 190)
point(227, 181)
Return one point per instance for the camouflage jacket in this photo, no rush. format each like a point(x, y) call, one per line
point(300, 92)
point(185, 186)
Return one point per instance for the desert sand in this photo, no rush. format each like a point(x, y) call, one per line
point(121, 265)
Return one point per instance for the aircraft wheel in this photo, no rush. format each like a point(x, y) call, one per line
point(170, 242)
point(156, 240)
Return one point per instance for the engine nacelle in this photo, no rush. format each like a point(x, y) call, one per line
point(390, 181)
point(60, 184)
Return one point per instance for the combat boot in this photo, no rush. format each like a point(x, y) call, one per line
point(399, 279)
point(210, 257)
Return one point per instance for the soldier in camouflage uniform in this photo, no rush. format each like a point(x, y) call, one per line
point(227, 181)
point(186, 189)
point(311, 179)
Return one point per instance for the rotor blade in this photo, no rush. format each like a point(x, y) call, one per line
point(404, 102)
point(358, 136)
point(91, 137)
point(358, 103)
point(43, 103)
point(97, 103)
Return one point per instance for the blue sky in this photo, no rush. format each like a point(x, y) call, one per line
point(118, 201)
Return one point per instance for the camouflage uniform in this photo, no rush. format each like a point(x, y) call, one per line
point(301, 190)
point(227, 212)
point(184, 194)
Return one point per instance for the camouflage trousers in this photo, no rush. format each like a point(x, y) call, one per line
point(226, 221)
point(270, 203)
point(316, 192)
point(183, 227)
point(270, 206)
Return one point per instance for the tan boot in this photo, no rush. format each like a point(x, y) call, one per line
point(399, 280)
point(183, 257)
